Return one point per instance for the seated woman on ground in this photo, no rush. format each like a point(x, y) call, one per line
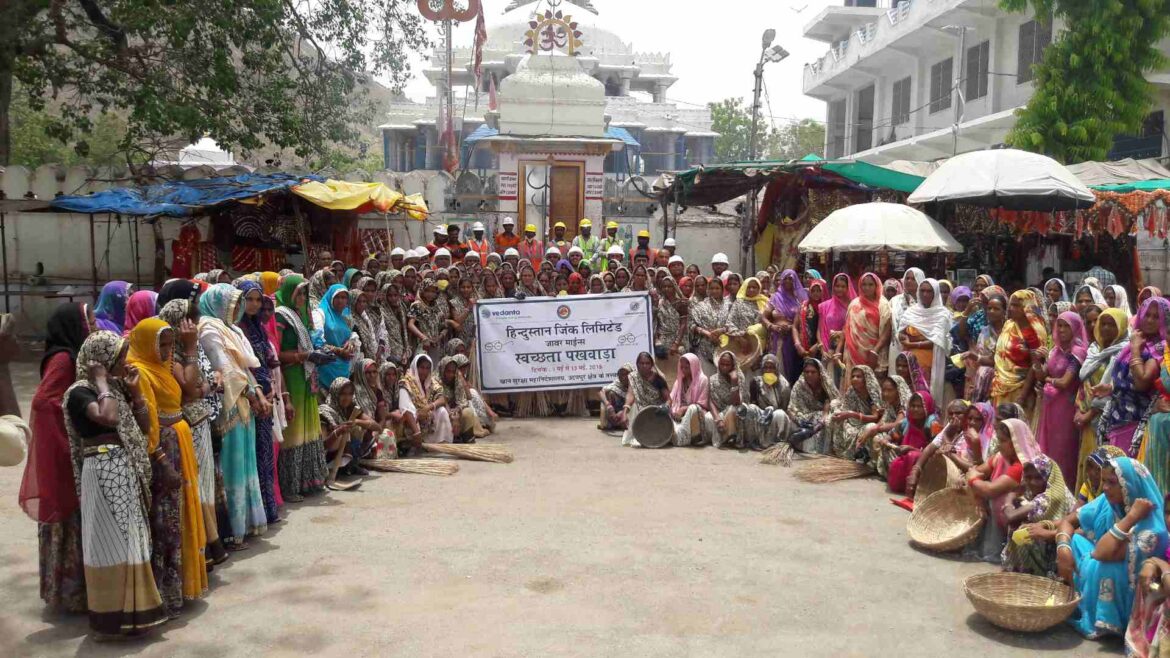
point(997, 480)
point(613, 400)
point(1148, 634)
point(875, 437)
point(951, 442)
point(390, 415)
point(1094, 462)
point(465, 425)
point(1032, 517)
point(808, 408)
point(907, 441)
point(647, 389)
point(690, 404)
point(344, 424)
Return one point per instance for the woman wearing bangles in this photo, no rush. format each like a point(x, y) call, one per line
point(1119, 530)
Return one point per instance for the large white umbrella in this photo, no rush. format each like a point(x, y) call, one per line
point(879, 227)
point(1005, 178)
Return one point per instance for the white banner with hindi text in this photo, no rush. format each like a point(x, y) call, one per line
point(549, 343)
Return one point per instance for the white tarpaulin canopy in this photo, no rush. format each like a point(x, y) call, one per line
point(879, 227)
point(1005, 178)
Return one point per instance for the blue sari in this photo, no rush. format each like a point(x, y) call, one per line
point(1107, 588)
point(337, 332)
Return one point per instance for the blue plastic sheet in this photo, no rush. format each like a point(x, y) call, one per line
point(178, 198)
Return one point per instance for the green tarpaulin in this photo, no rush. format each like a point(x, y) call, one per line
point(1142, 185)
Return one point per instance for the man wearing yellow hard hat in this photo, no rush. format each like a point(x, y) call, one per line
point(589, 244)
point(558, 237)
point(610, 241)
point(642, 249)
point(530, 248)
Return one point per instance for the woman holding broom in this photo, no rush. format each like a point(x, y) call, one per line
point(414, 397)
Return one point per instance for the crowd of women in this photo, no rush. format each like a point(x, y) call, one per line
point(171, 427)
point(1053, 407)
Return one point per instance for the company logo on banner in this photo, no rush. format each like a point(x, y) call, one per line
point(560, 343)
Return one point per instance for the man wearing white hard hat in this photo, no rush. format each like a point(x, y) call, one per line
point(719, 263)
point(509, 239)
point(397, 258)
point(479, 243)
point(440, 239)
point(589, 244)
point(670, 246)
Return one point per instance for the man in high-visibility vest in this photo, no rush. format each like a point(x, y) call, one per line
point(589, 244)
point(642, 249)
point(507, 239)
point(530, 248)
point(479, 243)
point(558, 237)
point(611, 240)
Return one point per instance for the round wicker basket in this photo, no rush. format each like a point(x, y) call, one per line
point(946, 521)
point(1019, 602)
point(937, 474)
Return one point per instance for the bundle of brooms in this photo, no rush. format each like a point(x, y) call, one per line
point(832, 469)
point(479, 452)
point(781, 453)
point(420, 466)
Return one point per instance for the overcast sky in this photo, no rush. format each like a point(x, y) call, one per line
point(713, 45)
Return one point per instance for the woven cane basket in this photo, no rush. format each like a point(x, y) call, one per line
point(1019, 602)
point(937, 474)
point(945, 521)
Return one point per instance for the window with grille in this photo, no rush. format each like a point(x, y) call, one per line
point(978, 65)
point(900, 111)
point(940, 85)
point(1034, 38)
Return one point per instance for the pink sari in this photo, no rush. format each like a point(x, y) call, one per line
point(834, 311)
point(696, 393)
point(917, 437)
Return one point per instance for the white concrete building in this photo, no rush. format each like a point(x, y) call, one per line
point(900, 75)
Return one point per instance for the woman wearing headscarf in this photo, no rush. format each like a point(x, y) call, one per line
point(997, 479)
point(728, 396)
point(1022, 334)
point(364, 377)
point(319, 284)
point(201, 405)
point(613, 399)
point(465, 424)
point(857, 407)
point(1046, 501)
point(254, 332)
point(301, 465)
point(340, 339)
point(363, 326)
point(866, 338)
point(426, 321)
point(1134, 374)
point(417, 396)
point(833, 313)
point(1119, 530)
point(398, 339)
point(487, 417)
point(808, 323)
point(1117, 297)
point(911, 280)
point(908, 440)
point(1055, 291)
point(781, 317)
point(231, 354)
point(670, 326)
point(390, 415)
point(926, 333)
point(462, 320)
point(345, 424)
point(1155, 447)
point(980, 361)
point(690, 404)
point(110, 310)
point(180, 540)
point(765, 421)
point(48, 492)
point(707, 321)
point(106, 418)
point(1110, 338)
point(1059, 370)
point(647, 389)
point(808, 408)
point(140, 306)
point(891, 288)
point(875, 437)
point(1086, 295)
point(1094, 463)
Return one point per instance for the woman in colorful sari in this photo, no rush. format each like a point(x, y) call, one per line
point(647, 389)
point(980, 360)
point(912, 278)
point(1056, 432)
point(416, 395)
point(1119, 530)
point(707, 321)
point(302, 455)
point(926, 333)
point(1155, 447)
point(1031, 548)
point(1096, 461)
point(808, 409)
point(858, 406)
point(997, 479)
point(230, 353)
point(340, 339)
point(48, 492)
point(1148, 633)
point(1022, 333)
point(781, 317)
point(178, 515)
point(906, 366)
point(908, 440)
point(690, 404)
point(745, 310)
point(808, 323)
point(140, 306)
point(106, 418)
point(362, 325)
point(110, 310)
point(201, 403)
point(257, 337)
point(875, 437)
point(1137, 368)
point(833, 313)
point(867, 328)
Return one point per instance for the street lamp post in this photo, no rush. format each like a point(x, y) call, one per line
point(768, 53)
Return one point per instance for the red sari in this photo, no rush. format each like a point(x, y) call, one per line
point(917, 436)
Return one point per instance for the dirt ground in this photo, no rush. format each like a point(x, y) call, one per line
point(578, 548)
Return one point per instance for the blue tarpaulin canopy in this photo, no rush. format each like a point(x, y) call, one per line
point(181, 198)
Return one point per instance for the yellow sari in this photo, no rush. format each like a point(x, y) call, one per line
point(1013, 353)
point(164, 398)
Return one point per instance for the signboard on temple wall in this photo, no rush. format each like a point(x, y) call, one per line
point(559, 343)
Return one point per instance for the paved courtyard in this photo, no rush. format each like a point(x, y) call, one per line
point(578, 548)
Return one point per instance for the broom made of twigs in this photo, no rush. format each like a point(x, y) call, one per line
point(832, 469)
point(480, 452)
point(420, 466)
point(781, 453)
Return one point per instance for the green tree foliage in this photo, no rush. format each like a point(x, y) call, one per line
point(732, 119)
point(288, 73)
point(1090, 84)
point(33, 146)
